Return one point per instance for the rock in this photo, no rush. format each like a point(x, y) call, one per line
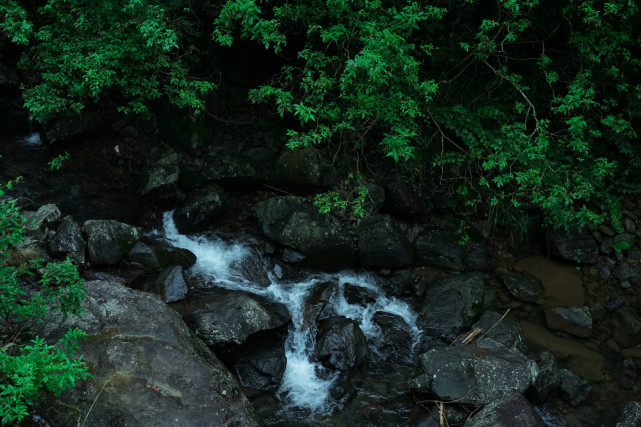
point(190, 178)
point(39, 222)
point(574, 389)
point(626, 328)
point(153, 372)
point(67, 125)
point(155, 255)
point(358, 295)
point(400, 199)
point(68, 241)
point(574, 245)
point(629, 225)
point(395, 341)
point(548, 379)
point(232, 317)
point(375, 198)
point(441, 248)
point(109, 241)
point(230, 169)
point(315, 301)
point(400, 283)
point(303, 168)
point(30, 249)
point(575, 320)
point(631, 415)
point(260, 363)
point(159, 179)
point(512, 410)
point(200, 209)
point(474, 375)
point(524, 287)
point(340, 343)
point(502, 330)
point(382, 243)
point(452, 304)
point(295, 222)
point(625, 271)
point(171, 284)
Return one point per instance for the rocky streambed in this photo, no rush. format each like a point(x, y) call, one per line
point(216, 300)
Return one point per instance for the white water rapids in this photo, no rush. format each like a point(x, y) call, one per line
point(305, 384)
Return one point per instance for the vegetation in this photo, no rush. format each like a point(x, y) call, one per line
point(508, 109)
point(27, 370)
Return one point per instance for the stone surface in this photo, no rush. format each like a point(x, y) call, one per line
point(524, 287)
point(171, 284)
point(452, 304)
point(232, 317)
point(39, 222)
point(260, 363)
point(382, 243)
point(200, 209)
point(501, 330)
point(474, 375)
point(153, 369)
point(575, 320)
point(315, 301)
point(441, 248)
point(573, 388)
point(109, 241)
point(303, 168)
point(295, 222)
point(548, 380)
point(510, 411)
point(630, 416)
point(340, 343)
point(230, 169)
point(67, 241)
point(155, 255)
point(159, 179)
point(574, 245)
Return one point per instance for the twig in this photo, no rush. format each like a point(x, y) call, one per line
point(497, 322)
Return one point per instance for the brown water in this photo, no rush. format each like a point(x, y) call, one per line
point(562, 283)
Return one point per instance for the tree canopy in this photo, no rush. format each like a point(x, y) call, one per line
point(505, 108)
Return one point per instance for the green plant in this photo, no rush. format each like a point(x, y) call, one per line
point(349, 199)
point(29, 370)
point(620, 246)
point(57, 162)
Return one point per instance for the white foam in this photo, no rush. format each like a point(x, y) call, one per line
point(32, 140)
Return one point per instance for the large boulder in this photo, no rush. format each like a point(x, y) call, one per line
point(148, 367)
point(512, 410)
point(39, 222)
point(476, 374)
point(574, 320)
point(502, 330)
point(452, 304)
point(442, 248)
point(382, 243)
point(200, 209)
point(523, 286)
point(67, 241)
point(573, 245)
point(260, 362)
point(631, 415)
point(171, 284)
point(159, 179)
point(232, 317)
point(303, 168)
point(109, 241)
point(230, 169)
point(295, 222)
point(340, 343)
point(156, 255)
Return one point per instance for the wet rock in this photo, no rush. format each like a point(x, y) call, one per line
point(574, 245)
point(66, 125)
point(29, 249)
point(260, 363)
point(573, 388)
point(631, 415)
point(375, 198)
point(230, 169)
point(547, 380)
point(303, 168)
point(627, 327)
point(575, 320)
point(441, 248)
point(625, 271)
point(626, 373)
point(502, 330)
point(109, 241)
point(171, 284)
point(400, 199)
point(340, 343)
point(395, 340)
point(474, 375)
point(153, 372)
point(400, 283)
point(190, 178)
point(296, 223)
point(234, 316)
point(358, 295)
point(155, 255)
point(509, 411)
point(200, 209)
point(159, 179)
point(67, 241)
point(382, 243)
point(38, 223)
point(315, 301)
point(523, 286)
point(452, 304)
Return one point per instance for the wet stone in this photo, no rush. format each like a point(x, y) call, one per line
point(523, 287)
point(574, 389)
point(68, 241)
point(171, 284)
point(109, 241)
point(502, 330)
point(631, 415)
point(340, 344)
point(507, 412)
point(576, 320)
point(626, 271)
point(548, 379)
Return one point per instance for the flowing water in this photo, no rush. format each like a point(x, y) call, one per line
point(305, 387)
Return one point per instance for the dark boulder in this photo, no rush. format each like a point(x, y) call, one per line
point(156, 255)
point(382, 243)
point(232, 317)
point(41, 221)
point(574, 320)
point(502, 330)
point(573, 388)
point(67, 241)
point(109, 241)
point(631, 415)
point(340, 343)
point(303, 168)
point(171, 284)
point(315, 301)
point(474, 374)
point(296, 223)
point(442, 248)
point(523, 286)
point(512, 410)
point(548, 379)
point(200, 209)
point(574, 245)
point(159, 179)
point(260, 362)
point(452, 304)
point(230, 169)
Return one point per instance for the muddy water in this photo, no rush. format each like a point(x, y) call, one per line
point(562, 283)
